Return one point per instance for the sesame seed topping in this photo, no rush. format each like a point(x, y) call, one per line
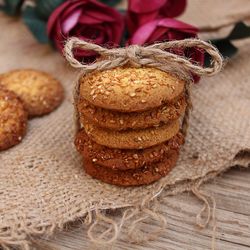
point(135, 156)
point(155, 153)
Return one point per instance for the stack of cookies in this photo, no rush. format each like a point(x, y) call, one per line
point(130, 121)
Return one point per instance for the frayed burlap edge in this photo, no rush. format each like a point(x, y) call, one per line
point(28, 235)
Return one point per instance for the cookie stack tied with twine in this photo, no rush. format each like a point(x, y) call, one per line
point(128, 108)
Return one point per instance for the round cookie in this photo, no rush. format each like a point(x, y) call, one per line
point(13, 119)
point(124, 159)
point(39, 91)
point(140, 176)
point(130, 89)
point(135, 120)
point(132, 139)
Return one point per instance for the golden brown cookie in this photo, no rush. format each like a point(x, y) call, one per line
point(132, 139)
point(13, 119)
point(124, 159)
point(39, 91)
point(129, 89)
point(120, 121)
point(135, 177)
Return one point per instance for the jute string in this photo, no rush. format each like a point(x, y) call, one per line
point(157, 56)
point(133, 217)
point(203, 196)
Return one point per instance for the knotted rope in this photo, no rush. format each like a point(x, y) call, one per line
point(155, 55)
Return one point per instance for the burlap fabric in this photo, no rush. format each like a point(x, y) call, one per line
point(42, 183)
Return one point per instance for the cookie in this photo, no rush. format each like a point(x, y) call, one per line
point(13, 119)
point(120, 121)
point(130, 89)
point(39, 91)
point(131, 139)
point(141, 176)
point(124, 159)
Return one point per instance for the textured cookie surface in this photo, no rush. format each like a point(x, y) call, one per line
point(130, 89)
point(135, 177)
point(131, 139)
point(13, 119)
point(39, 91)
point(124, 159)
point(120, 120)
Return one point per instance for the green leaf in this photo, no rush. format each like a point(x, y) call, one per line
point(44, 8)
point(225, 45)
point(111, 2)
point(122, 11)
point(36, 25)
point(239, 31)
point(11, 7)
point(226, 48)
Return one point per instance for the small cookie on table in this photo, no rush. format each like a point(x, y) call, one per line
point(39, 91)
point(13, 119)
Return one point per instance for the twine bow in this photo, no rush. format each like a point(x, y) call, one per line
point(156, 55)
